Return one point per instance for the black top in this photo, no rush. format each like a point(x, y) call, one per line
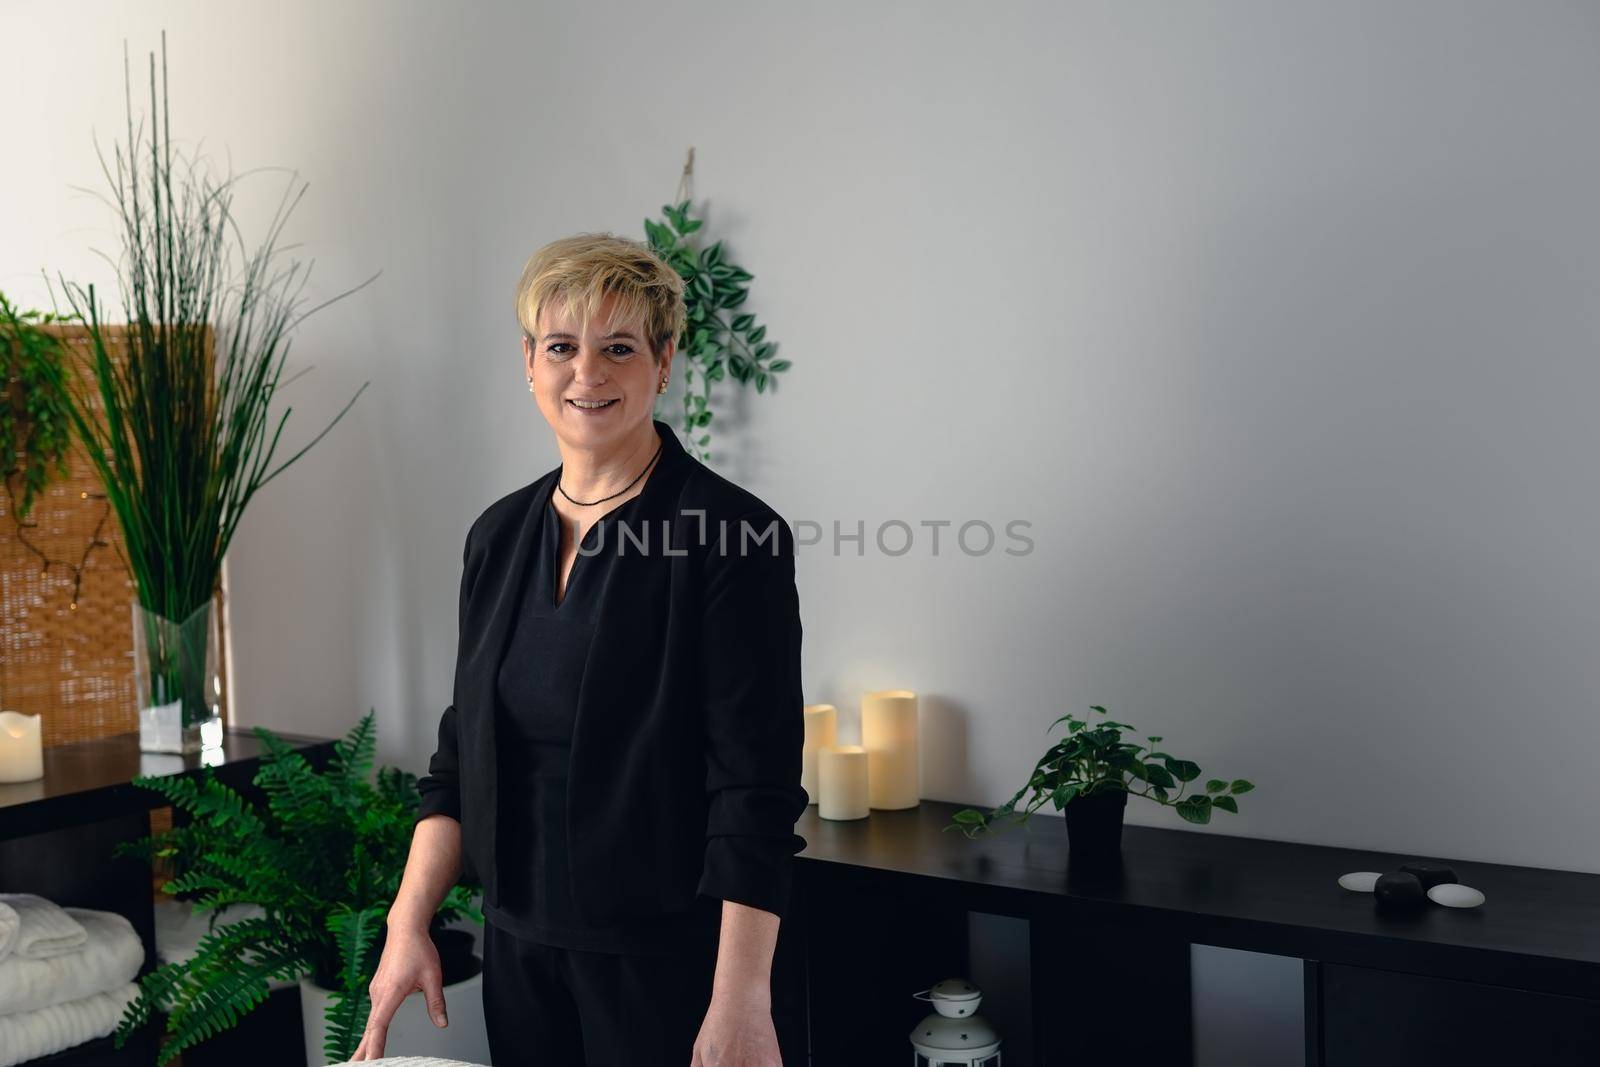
point(684, 770)
point(538, 684)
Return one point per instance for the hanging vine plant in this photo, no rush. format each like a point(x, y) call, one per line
point(718, 341)
point(35, 422)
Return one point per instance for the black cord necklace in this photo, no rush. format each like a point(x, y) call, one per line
point(619, 492)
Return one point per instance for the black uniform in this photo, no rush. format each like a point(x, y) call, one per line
point(565, 990)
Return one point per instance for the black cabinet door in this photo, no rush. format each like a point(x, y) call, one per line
point(1376, 1018)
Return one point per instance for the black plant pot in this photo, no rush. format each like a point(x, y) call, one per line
point(1094, 825)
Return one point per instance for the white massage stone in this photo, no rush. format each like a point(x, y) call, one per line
point(1359, 881)
point(1453, 895)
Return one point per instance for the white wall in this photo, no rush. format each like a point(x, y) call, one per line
point(1276, 321)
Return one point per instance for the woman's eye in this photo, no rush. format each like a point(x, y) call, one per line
point(558, 350)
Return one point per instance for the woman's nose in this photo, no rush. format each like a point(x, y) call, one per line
point(591, 369)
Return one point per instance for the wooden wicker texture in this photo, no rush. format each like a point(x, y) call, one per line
point(66, 598)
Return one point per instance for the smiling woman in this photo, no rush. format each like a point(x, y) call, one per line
point(584, 303)
point(621, 762)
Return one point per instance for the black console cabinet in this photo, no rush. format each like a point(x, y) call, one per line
point(881, 909)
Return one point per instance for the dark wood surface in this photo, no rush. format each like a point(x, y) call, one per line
point(86, 781)
point(1378, 1017)
point(1538, 930)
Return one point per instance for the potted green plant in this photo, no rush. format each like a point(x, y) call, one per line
point(322, 861)
point(1088, 775)
point(177, 429)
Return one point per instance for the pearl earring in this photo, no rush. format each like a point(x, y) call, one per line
point(663, 386)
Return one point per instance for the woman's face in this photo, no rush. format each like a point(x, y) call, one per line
point(609, 365)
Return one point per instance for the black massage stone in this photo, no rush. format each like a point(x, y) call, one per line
point(1429, 874)
point(1400, 891)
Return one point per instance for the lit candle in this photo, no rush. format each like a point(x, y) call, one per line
point(842, 782)
point(21, 754)
point(889, 734)
point(822, 727)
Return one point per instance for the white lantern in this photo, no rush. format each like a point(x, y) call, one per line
point(955, 1035)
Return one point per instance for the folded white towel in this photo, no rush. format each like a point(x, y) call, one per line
point(45, 928)
point(30, 1034)
point(10, 926)
point(111, 955)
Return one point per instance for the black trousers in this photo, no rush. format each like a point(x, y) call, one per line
point(558, 1007)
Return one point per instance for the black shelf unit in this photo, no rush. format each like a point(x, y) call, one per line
point(882, 905)
point(56, 839)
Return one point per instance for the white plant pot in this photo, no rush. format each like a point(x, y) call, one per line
point(411, 1032)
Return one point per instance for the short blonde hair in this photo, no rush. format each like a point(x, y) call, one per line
point(584, 269)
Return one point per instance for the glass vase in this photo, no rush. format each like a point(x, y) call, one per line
point(179, 687)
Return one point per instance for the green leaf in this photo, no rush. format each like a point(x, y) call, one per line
point(969, 815)
point(1156, 774)
point(1195, 809)
point(1241, 786)
point(1183, 770)
point(1063, 794)
point(660, 236)
point(756, 335)
point(778, 366)
point(1226, 804)
point(761, 381)
point(742, 322)
point(742, 275)
point(1216, 785)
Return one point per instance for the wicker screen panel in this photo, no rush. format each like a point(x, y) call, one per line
point(72, 664)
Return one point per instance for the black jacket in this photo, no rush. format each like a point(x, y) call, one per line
point(684, 772)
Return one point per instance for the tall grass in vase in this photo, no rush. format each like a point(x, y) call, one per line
point(180, 441)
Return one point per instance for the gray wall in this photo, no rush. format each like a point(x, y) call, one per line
point(1275, 321)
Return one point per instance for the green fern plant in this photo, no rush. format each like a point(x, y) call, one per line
point(716, 343)
point(322, 859)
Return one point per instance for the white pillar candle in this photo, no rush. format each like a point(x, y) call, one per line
point(21, 752)
point(842, 782)
point(822, 730)
point(889, 734)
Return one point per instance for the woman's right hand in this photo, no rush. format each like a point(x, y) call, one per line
point(410, 962)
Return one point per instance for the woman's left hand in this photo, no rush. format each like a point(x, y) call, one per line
point(737, 1032)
